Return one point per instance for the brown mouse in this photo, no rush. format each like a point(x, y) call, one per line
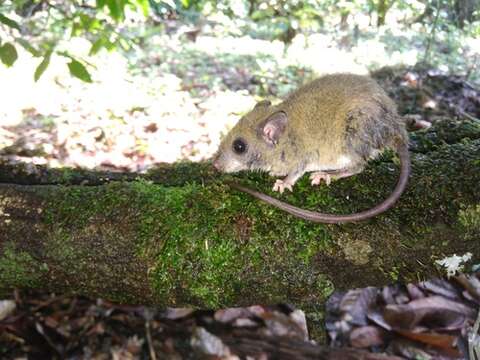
point(330, 127)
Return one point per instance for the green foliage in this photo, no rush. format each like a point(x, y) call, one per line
point(8, 54)
point(42, 66)
point(117, 7)
point(27, 46)
point(39, 28)
point(294, 13)
point(9, 22)
point(78, 70)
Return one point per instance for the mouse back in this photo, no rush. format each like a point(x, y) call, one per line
point(335, 121)
point(344, 114)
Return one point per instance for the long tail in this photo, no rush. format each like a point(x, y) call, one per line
point(403, 154)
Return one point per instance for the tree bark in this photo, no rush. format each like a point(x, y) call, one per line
point(465, 10)
point(382, 9)
point(179, 236)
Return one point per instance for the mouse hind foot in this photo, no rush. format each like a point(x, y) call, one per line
point(329, 175)
point(288, 182)
point(280, 186)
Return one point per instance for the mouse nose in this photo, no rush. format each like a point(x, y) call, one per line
point(216, 165)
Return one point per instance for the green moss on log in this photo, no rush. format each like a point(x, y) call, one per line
point(91, 238)
point(470, 217)
point(210, 245)
point(190, 242)
point(18, 268)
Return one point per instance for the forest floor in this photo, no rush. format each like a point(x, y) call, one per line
point(173, 98)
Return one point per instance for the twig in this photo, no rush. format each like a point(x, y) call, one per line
point(467, 115)
point(153, 356)
point(432, 37)
point(47, 338)
point(474, 348)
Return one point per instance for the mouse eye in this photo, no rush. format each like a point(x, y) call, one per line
point(239, 146)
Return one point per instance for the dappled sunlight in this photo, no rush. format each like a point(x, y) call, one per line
point(172, 98)
point(320, 53)
point(239, 46)
point(119, 121)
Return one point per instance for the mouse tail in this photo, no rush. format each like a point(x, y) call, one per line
point(405, 164)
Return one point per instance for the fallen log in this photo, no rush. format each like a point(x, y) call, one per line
point(179, 236)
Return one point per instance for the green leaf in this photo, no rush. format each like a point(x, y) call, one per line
point(86, 21)
point(100, 4)
point(124, 44)
point(42, 66)
point(117, 8)
point(97, 46)
point(9, 22)
point(145, 6)
point(78, 70)
point(27, 46)
point(110, 45)
point(76, 29)
point(8, 54)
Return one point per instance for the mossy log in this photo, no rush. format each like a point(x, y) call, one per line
point(179, 236)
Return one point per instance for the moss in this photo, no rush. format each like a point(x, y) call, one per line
point(18, 268)
point(209, 242)
point(356, 251)
point(90, 239)
point(179, 228)
point(59, 246)
point(178, 173)
point(208, 256)
point(469, 217)
point(66, 175)
point(78, 206)
point(446, 131)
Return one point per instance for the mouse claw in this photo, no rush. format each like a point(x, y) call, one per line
point(278, 186)
point(317, 178)
point(281, 185)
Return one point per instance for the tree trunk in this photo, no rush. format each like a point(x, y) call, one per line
point(382, 8)
point(464, 10)
point(252, 6)
point(179, 236)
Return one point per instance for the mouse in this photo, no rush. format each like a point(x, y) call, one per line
point(330, 128)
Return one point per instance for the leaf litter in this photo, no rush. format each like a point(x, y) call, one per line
point(432, 319)
point(435, 319)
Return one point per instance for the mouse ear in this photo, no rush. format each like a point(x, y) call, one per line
point(263, 103)
point(272, 128)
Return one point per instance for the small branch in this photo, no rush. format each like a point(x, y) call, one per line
point(473, 340)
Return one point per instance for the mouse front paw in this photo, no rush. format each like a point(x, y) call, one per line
point(280, 186)
point(317, 178)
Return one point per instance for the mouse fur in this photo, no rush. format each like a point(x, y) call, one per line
point(330, 127)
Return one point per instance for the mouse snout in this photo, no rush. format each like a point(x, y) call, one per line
point(217, 164)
